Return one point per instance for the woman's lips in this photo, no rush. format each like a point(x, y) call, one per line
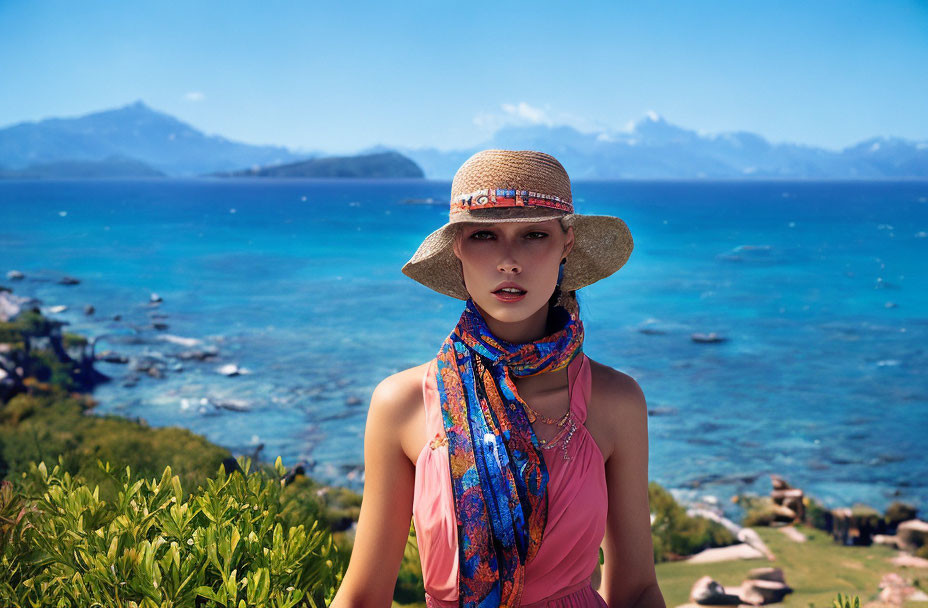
point(506, 296)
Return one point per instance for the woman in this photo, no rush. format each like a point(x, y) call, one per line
point(515, 454)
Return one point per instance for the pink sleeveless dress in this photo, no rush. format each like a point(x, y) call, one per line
point(559, 576)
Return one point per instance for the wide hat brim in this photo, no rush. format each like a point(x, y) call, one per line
point(602, 245)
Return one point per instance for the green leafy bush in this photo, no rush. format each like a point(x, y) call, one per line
point(898, 512)
point(410, 586)
point(305, 499)
point(845, 602)
point(817, 515)
point(675, 534)
point(758, 510)
point(223, 545)
point(40, 426)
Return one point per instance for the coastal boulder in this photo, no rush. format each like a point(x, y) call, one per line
point(707, 338)
point(767, 574)
point(895, 590)
point(709, 592)
point(888, 540)
point(10, 305)
point(724, 554)
point(760, 591)
point(788, 499)
point(912, 534)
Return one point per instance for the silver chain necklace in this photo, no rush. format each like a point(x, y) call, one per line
point(567, 422)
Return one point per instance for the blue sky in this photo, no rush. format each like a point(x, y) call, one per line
point(343, 76)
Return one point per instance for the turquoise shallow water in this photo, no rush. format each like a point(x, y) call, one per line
point(820, 288)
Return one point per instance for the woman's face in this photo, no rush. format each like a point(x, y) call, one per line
point(525, 254)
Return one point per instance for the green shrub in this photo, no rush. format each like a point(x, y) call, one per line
point(758, 517)
point(69, 340)
point(307, 499)
point(845, 602)
point(758, 510)
point(410, 586)
point(675, 534)
point(898, 512)
point(44, 366)
point(31, 327)
point(48, 423)
point(27, 324)
point(866, 519)
point(817, 515)
point(222, 545)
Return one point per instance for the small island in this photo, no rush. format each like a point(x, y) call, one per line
point(380, 165)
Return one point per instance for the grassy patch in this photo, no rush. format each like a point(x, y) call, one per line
point(816, 570)
point(50, 422)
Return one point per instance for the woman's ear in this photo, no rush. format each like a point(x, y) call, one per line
point(456, 244)
point(569, 243)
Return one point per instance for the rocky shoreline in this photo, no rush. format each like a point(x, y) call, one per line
point(785, 508)
point(182, 353)
point(47, 376)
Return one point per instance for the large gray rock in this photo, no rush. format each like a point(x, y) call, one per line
point(757, 591)
point(767, 574)
point(724, 554)
point(912, 534)
point(709, 592)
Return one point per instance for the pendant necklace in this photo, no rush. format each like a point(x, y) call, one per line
point(567, 424)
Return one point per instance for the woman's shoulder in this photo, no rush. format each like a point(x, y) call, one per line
point(609, 378)
point(402, 388)
point(398, 398)
point(616, 400)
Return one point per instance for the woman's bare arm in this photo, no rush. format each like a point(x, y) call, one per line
point(386, 503)
point(628, 578)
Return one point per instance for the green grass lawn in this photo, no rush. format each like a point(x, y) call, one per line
point(816, 570)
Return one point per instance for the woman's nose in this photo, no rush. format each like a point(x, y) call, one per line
point(507, 258)
point(509, 265)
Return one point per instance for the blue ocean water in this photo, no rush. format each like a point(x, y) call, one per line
point(819, 287)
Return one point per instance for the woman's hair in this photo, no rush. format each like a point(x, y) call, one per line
point(572, 294)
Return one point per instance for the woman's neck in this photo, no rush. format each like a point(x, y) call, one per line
point(530, 329)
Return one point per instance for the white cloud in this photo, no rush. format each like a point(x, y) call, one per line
point(649, 115)
point(194, 96)
point(528, 113)
point(488, 121)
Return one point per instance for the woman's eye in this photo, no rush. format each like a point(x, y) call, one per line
point(485, 235)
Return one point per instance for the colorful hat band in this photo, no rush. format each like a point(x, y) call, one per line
point(501, 197)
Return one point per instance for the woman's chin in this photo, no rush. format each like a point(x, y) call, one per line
point(510, 312)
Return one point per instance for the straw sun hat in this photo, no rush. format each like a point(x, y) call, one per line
point(519, 186)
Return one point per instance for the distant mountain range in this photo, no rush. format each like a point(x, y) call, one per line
point(153, 139)
point(656, 149)
point(137, 141)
